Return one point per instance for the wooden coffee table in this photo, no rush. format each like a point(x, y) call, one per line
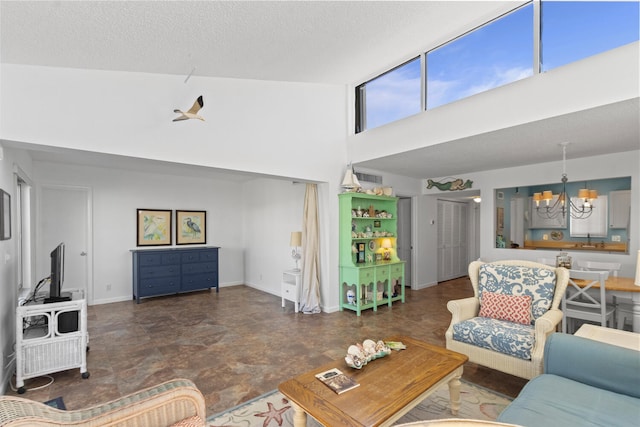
point(389, 387)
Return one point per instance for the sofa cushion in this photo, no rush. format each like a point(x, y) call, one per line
point(514, 308)
point(564, 356)
point(537, 283)
point(554, 400)
point(513, 339)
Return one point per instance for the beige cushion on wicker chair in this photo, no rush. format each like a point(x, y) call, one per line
point(545, 317)
point(158, 406)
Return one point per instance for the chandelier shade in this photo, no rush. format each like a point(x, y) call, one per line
point(563, 205)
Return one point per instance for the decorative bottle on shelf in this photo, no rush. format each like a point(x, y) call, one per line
point(563, 260)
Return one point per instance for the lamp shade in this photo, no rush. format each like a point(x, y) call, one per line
point(637, 282)
point(296, 239)
point(386, 243)
point(583, 193)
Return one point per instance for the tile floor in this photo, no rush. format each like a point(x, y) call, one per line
point(240, 343)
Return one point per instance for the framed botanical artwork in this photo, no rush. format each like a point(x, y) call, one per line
point(154, 227)
point(5, 215)
point(191, 227)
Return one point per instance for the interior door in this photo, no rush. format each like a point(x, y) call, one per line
point(452, 239)
point(405, 247)
point(64, 216)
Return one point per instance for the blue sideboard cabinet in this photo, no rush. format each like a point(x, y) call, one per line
point(174, 270)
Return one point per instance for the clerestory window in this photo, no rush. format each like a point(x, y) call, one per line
point(493, 55)
point(497, 53)
point(574, 30)
point(392, 96)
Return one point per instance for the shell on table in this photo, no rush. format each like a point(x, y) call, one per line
point(359, 355)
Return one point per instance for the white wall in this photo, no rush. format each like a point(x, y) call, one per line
point(584, 169)
point(603, 79)
point(116, 196)
point(11, 159)
point(272, 210)
point(599, 80)
point(272, 128)
point(251, 222)
point(589, 168)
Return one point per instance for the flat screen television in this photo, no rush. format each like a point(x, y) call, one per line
point(57, 272)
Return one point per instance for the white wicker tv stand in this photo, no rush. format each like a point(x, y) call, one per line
point(50, 347)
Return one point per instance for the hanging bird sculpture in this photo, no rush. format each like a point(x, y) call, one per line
point(192, 113)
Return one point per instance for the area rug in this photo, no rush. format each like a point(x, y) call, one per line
point(57, 403)
point(274, 410)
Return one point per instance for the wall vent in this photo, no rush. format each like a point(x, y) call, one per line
point(366, 177)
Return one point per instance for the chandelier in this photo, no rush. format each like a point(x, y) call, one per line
point(561, 204)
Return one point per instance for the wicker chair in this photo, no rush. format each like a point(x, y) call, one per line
point(490, 346)
point(175, 401)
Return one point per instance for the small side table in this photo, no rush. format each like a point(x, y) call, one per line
point(291, 284)
point(610, 336)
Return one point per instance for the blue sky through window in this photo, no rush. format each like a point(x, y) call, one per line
point(496, 54)
point(501, 52)
point(574, 30)
point(394, 95)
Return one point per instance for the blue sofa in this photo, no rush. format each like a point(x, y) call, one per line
point(585, 383)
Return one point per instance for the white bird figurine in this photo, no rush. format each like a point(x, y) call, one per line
point(192, 113)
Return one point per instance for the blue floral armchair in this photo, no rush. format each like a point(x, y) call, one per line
point(506, 345)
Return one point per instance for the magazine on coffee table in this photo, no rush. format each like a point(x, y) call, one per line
point(337, 381)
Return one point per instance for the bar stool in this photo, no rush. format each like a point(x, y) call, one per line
point(623, 310)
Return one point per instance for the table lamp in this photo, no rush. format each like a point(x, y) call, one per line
point(295, 243)
point(386, 245)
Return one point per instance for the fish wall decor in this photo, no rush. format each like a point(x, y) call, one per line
point(453, 185)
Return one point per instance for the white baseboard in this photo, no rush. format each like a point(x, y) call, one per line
point(424, 285)
point(331, 309)
point(130, 298)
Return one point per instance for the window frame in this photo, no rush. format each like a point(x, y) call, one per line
point(361, 94)
point(536, 64)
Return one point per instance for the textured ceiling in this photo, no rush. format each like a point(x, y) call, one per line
point(334, 42)
point(305, 41)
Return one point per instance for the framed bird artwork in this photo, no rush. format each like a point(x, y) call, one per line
point(191, 227)
point(153, 227)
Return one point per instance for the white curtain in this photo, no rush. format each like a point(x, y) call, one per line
point(310, 300)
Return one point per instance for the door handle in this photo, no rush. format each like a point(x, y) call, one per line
point(83, 253)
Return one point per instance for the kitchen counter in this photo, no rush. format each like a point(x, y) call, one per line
point(576, 246)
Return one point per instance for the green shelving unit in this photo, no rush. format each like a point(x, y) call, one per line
point(371, 274)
